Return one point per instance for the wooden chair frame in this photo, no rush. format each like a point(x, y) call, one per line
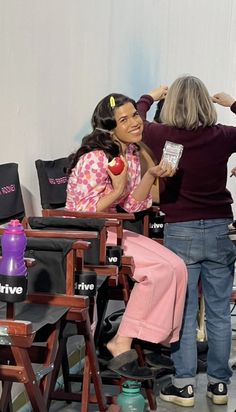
point(113, 292)
point(78, 312)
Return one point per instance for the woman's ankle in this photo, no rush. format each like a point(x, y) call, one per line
point(119, 344)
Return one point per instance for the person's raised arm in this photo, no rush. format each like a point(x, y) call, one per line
point(158, 93)
point(226, 100)
point(145, 101)
point(223, 99)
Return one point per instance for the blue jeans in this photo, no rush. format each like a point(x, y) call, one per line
point(209, 254)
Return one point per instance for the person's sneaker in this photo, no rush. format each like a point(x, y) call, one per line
point(179, 396)
point(218, 393)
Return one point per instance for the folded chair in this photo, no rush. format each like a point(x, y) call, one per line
point(85, 328)
point(94, 231)
point(107, 273)
point(38, 319)
point(11, 201)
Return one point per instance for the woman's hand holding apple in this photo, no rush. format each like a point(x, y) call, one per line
point(119, 181)
point(116, 165)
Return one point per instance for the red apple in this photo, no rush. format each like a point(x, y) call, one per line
point(116, 165)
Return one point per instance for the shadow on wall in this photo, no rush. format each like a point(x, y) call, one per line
point(138, 75)
point(142, 70)
point(83, 131)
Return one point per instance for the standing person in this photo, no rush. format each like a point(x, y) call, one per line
point(155, 308)
point(197, 209)
point(226, 100)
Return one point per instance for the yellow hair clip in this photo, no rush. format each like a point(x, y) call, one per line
point(112, 102)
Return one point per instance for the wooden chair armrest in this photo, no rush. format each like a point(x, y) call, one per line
point(15, 327)
point(74, 301)
point(110, 271)
point(106, 270)
point(64, 234)
point(112, 223)
point(81, 245)
point(16, 333)
point(88, 215)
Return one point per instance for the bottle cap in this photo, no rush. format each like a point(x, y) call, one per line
point(14, 226)
point(131, 386)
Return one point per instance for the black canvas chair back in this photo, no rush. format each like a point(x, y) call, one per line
point(52, 179)
point(91, 256)
point(11, 201)
point(48, 275)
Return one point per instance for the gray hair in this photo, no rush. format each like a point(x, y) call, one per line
point(188, 105)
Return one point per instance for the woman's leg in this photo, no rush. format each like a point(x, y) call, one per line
point(217, 282)
point(207, 251)
point(155, 307)
point(119, 344)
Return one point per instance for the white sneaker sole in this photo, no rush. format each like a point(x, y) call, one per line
point(218, 399)
point(177, 400)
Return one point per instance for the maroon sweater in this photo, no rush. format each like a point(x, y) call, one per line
point(198, 190)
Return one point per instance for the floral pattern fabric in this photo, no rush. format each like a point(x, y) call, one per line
point(89, 181)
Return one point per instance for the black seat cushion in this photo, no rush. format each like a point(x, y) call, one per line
point(91, 255)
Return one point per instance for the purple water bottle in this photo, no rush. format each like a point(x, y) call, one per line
point(13, 271)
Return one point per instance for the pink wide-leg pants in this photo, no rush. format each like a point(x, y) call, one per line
point(155, 307)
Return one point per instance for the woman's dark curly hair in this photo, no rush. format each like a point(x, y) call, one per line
point(103, 121)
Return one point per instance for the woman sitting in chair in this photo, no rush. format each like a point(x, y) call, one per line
point(155, 308)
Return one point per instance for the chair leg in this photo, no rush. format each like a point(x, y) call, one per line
point(102, 303)
point(91, 370)
point(148, 385)
point(92, 365)
point(61, 360)
point(52, 343)
point(5, 402)
point(28, 378)
point(86, 386)
point(66, 369)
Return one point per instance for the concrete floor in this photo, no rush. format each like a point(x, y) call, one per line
point(202, 403)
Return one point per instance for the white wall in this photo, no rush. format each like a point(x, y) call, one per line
point(59, 57)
